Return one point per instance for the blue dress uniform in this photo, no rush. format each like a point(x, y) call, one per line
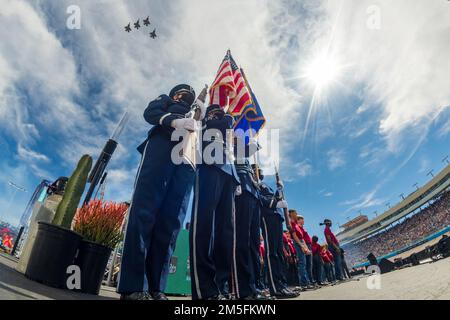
point(159, 203)
point(212, 221)
point(248, 233)
point(272, 230)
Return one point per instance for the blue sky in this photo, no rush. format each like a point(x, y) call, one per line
point(379, 125)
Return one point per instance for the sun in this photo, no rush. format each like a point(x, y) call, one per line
point(322, 71)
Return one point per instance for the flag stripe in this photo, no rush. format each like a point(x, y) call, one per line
point(229, 90)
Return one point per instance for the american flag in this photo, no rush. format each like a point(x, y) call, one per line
point(229, 90)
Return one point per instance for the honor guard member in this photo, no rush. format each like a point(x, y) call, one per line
point(272, 229)
point(212, 222)
point(246, 255)
point(160, 199)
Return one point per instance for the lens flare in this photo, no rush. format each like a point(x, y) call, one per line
point(322, 71)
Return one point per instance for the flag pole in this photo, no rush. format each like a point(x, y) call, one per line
point(250, 124)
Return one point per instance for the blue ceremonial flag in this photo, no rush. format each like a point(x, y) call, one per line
point(251, 117)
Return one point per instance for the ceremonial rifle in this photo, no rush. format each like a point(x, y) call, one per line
point(281, 193)
point(189, 149)
point(102, 162)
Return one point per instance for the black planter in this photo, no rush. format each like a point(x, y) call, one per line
point(53, 251)
point(92, 259)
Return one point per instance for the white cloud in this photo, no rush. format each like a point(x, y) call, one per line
point(326, 193)
point(80, 81)
point(303, 169)
point(425, 165)
point(445, 127)
point(367, 200)
point(30, 155)
point(336, 159)
point(404, 66)
point(118, 176)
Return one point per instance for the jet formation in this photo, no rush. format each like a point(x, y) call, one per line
point(137, 26)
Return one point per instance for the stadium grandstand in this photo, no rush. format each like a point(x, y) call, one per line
point(421, 217)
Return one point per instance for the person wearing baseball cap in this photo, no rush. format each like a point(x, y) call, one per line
point(333, 247)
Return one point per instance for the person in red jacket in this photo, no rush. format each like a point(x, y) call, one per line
point(317, 261)
point(290, 259)
point(327, 258)
point(333, 246)
point(308, 242)
point(301, 249)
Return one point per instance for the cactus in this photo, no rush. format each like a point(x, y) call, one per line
point(74, 190)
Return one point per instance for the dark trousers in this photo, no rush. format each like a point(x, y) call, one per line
point(329, 272)
point(157, 211)
point(303, 276)
point(212, 232)
point(317, 268)
point(272, 229)
point(246, 253)
point(309, 265)
point(345, 271)
point(255, 241)
point(337, 263)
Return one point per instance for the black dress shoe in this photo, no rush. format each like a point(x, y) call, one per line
point(217, 297)
point(135, 296)
point(160, 296)
point(286, 294)
point(256, 296)
point(229, 296)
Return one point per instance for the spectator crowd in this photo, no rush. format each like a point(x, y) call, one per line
point(430, 220)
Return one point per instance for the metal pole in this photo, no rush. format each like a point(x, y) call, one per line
point(16, 242)
point(116, 251)
point(111, 267)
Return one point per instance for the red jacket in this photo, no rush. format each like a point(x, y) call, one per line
point(326, 256)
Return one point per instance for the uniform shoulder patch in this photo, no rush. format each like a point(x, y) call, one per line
point(162, 97)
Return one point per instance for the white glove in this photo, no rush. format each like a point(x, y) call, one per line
point(252, 141)
point(185, 123)
point(282, 204)
point(238, 190)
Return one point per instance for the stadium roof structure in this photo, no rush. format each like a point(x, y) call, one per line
point(359, 220)
point(415, 200)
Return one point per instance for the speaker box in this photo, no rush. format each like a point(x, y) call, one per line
point(398, 262)
point(372, 259)
point(354, 273)
point(386, 266)
point(414, 259)
point(444, 246)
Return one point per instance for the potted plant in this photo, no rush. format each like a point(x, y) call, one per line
point(100, 225)
point(55, 246)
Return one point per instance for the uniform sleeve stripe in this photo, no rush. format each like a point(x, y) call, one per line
point(163, 117)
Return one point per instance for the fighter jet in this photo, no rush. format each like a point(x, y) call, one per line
point(128, 28)
point(136, 24)
point(147, 21)
point(153, 34)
